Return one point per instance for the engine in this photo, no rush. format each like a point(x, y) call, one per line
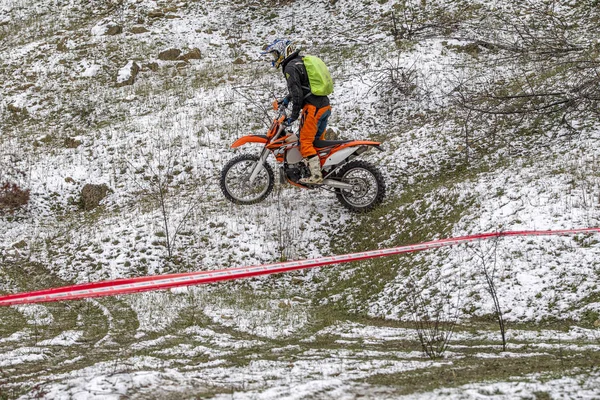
point(294, 172)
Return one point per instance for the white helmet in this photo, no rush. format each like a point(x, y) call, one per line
point(280, 49)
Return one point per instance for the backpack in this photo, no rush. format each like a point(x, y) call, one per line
point(319, 77)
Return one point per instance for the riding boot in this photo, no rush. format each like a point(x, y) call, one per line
point(315, 178)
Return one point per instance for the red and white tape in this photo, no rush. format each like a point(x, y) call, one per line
point(158, 282)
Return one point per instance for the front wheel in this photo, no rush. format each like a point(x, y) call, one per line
point(235, 180)
point(368, 186)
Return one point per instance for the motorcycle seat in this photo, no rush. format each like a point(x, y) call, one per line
point(326, 143)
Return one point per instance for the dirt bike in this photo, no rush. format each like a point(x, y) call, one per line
point(249, 179)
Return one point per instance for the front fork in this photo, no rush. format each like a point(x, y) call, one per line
point(265, 153)
point(259, 164)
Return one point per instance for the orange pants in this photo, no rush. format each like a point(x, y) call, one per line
point(313, 122)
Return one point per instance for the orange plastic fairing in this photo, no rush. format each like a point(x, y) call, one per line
point(278, 143)
point(249, 139)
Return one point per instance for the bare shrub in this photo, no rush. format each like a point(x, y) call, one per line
point(420, 18)
point(92, 195)
point(395, 80)
point(535, 76)
point(12, 196)
point(435, 311)
point(527, 73)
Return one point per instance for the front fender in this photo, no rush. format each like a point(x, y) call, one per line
point(249, 139)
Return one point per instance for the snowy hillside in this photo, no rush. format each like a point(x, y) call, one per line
point(138, 102)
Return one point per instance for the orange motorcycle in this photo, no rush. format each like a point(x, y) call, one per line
point(249, 179)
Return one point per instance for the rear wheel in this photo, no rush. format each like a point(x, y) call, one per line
point(368, 186)
point(235, 180)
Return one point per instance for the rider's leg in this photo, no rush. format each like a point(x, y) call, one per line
point(313, 124)
point(314, 165)
point(308, 130)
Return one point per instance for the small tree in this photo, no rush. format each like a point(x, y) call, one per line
point(488, 263)
point(161, 165)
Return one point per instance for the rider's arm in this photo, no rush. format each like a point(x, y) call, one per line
point(295, 88)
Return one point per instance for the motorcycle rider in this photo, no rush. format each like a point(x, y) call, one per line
point(313, 111)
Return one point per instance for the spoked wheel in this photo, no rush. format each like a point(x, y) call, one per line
point(235, 180)
point(368, 186)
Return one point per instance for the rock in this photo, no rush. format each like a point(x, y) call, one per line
point(62, 45)
point(239, 61)
point(16, 110)
point(284, 304)
point(68, 179)
point(169, 55)
point(71, 143)
point(193, 54)
point(92, 195)
point(113, 29)
point(106, 27)
point(25, 86)
point(153, 66)
point(138, 29)
point(127, 74)
point(156, 14)
point(19, 245)
point(330, 134)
